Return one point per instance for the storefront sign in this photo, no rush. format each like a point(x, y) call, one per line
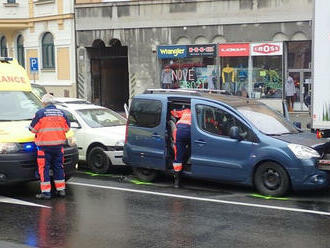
point(169, 52)
point(202, 50)
point(266, 49)
point(234, 50)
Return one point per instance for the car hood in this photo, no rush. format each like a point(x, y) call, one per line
point(307, 139)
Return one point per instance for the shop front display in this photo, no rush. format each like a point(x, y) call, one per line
point(267, 70)
point(234, 67)
point(299, 68)
point(191, 66)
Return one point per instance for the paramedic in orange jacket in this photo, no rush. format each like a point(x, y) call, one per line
point(181, 139)
point(50, 125)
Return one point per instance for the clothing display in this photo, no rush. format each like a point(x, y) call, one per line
point(228, 79)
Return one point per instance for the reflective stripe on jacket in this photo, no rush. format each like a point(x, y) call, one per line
point(50, 125)
point(184, 115)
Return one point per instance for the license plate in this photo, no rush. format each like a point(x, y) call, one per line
point(323, 164)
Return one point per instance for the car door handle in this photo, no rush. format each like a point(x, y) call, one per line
point(155, 135)
point(201, 142)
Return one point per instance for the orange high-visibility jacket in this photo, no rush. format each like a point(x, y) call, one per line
point(50, 125)
point(184, 115)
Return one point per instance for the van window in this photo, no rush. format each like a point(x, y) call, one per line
point(18, 105)
point(219, 122)
point(145, 113)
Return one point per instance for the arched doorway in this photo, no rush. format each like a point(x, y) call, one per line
point(109, 74)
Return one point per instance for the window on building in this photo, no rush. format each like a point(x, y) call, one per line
point(3, 47)
point(145, 113)
point(11, 1)
point(20, 50)
point(48, 51)
point(299, 54)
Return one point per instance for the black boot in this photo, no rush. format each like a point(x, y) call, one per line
point(177, 179)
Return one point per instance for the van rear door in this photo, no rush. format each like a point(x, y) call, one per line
point(146, 146)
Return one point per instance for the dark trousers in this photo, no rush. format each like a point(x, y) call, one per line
point(183, 135)
point(51, 157)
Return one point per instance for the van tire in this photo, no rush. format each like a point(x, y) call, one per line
point(98, 161)
point(144, 174)
point(271, 179)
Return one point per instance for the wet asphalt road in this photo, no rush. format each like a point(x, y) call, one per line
point(116, 211)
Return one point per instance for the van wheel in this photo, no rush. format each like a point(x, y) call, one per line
point(271, 179)
point(143, 174)
point(98, 161)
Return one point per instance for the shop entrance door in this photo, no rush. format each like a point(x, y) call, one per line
point(302, 81)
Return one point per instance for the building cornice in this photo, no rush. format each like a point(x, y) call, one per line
point(28, 22)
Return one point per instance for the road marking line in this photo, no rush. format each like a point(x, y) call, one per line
point(19, 202)
point(202, 199)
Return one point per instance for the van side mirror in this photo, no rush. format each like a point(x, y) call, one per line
point(74, 124)
point(235, 133)
point(297, 124)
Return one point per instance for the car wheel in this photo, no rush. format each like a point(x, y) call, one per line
point(271, 179)
point(98, 161)
point(147, 175)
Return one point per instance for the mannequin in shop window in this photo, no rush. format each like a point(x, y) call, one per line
point(228, 79)
point(211, 81)
point(242, 76)
point(167, 77)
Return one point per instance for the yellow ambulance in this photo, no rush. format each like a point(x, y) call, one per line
point(17, 107)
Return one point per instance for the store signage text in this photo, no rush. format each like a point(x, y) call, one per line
point(232, 50)
point(202, 50)
point(266, 49)
point(172, 52)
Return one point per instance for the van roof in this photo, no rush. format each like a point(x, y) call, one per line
point(13, 77)
point(215, 95)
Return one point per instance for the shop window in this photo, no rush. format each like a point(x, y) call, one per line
point(145, 113)
point(299, 54)
point(234, 75)
point(267, 77)
point(20, 50)
point(3, 47)
point(48, 51)
point(218, 122)
point(192, 73)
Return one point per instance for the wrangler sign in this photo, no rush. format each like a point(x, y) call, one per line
point(170, 52)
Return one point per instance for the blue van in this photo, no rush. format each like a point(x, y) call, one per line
point(233, 139)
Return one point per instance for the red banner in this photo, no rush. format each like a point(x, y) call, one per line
point(234, 50)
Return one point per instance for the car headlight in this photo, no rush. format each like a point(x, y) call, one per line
point(120, 143)
point(72, 141)
point(8, 148)
point(303, 152)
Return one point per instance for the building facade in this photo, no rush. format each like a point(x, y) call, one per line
point(247, 47)
point(44, 31)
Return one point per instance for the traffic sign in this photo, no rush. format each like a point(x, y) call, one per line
point(34, 67)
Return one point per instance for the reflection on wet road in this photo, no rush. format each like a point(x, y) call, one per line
point(114, 212)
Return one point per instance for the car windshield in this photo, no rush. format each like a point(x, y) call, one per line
point(18, 105)
point(101, 117)
point(266, 120)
